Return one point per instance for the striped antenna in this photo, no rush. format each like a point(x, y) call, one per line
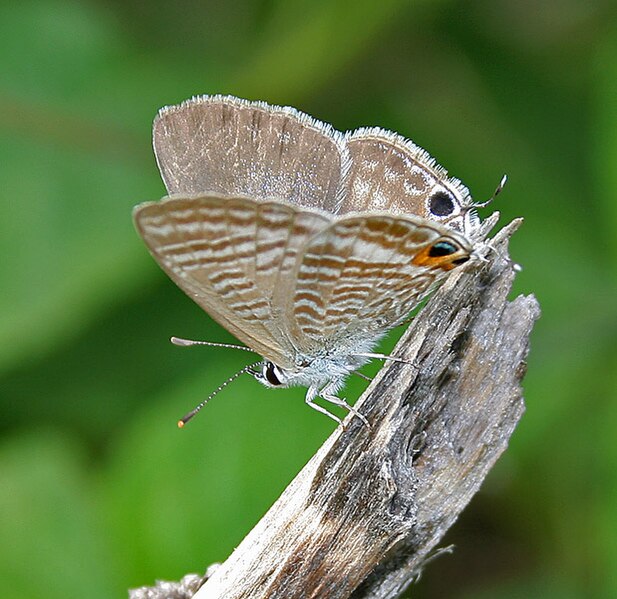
point(233, 377)
point(501, 185)
point(189, 342)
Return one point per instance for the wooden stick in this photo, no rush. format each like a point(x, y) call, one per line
point(365, 513)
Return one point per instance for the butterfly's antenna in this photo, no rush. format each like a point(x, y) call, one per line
point(196, 409)
point(501, 185)
point(384, 357)
point(188, 342)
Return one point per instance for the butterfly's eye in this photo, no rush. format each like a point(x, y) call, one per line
point(441, 204)
point(269, 373)
point(442, 248)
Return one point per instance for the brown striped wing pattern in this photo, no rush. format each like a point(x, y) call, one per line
point(231, 255)
point(362, 275)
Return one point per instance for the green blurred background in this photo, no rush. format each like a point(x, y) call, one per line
point(98, 489)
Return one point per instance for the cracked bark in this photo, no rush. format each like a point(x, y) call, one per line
point(370, 507)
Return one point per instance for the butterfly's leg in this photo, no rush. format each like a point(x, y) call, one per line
point(328, 394)
point(311, 394)
point(363, 376)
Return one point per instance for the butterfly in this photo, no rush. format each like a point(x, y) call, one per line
point(306, 243)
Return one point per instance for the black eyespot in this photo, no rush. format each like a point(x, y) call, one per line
point(270, 374)
point(442, 248)
point(441, 204)
point(460, 260)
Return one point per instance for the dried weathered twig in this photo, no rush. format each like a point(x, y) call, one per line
point(185, 589)
point(364, 514)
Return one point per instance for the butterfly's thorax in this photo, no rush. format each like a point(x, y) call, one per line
point(326, 366)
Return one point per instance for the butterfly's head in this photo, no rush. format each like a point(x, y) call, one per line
point(271, 375)
point(316, 371)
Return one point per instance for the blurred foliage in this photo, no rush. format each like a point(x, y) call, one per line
point(99, 492)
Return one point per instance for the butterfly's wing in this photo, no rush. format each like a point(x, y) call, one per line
point(363, 274)
point(230, 255)
point(226, 146)
point(389, 172)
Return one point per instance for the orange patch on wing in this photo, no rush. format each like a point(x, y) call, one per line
point(423, 258)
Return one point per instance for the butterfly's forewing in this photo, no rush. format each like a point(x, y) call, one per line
point(230, 255)
point(226, 146)
point(391, 173)
point(366, 273)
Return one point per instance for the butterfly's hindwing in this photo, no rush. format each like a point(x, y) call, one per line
point(358, 275)
point(388, 172)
